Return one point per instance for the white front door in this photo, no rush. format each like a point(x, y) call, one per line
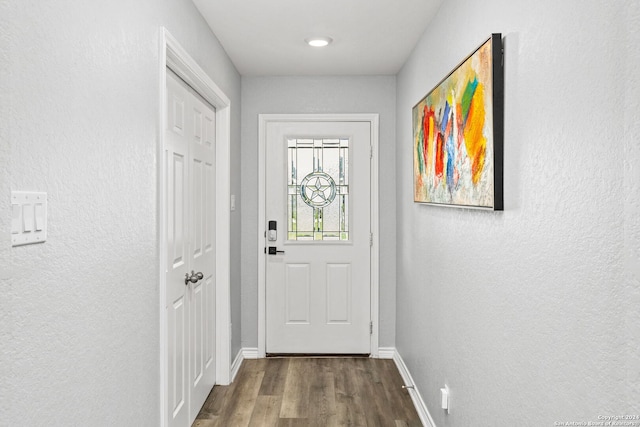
point(190, 231)
point(318, 198)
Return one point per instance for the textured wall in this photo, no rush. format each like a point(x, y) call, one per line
point(632, 197)
point(80, 322)
point(530, 316)
point(263, 95)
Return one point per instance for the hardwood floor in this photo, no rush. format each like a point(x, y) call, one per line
point(294, 392)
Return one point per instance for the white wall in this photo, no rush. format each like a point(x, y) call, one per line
point(530, 315)
point(263, 95)
point(79, 327)
point(631, 290)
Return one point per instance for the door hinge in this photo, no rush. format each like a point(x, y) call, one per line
point(370, 328)
point(371, 152)
point(370, 239)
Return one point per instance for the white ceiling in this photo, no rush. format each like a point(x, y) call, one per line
point(371, 37)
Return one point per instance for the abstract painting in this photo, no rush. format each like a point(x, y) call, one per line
point(458, 134)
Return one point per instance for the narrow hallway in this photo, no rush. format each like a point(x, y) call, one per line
point(311, 392)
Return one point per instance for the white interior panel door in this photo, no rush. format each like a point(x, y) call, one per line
point(190, 222)
point(176, 166)
point(203, 194)
point(318, 197)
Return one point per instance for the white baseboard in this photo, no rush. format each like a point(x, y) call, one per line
point(250, 352)
point(243, 353)
point(386, 352)
point(235, 366)
point(421, 407)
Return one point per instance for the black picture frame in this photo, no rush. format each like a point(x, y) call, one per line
point(461, 162)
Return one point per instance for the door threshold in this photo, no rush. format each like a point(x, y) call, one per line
point(319, 355)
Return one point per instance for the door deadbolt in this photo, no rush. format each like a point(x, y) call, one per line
point(272, 232)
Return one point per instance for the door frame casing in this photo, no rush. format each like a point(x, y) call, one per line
point(176, 58)
point(263, 120)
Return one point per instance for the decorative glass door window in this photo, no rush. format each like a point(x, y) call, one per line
point(318, 189)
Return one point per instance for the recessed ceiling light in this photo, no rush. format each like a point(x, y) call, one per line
point(318, 41)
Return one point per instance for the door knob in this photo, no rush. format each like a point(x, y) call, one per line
point(193, 278)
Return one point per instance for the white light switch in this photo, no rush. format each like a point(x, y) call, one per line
point(28, 217)
point(40, 216)
point(16, 218)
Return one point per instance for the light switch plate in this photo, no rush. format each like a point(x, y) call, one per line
point(28, 217)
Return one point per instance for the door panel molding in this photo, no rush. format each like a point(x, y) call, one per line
point(173, 56)
point(263, 120)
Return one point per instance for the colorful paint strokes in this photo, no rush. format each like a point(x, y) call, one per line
point(457, 148)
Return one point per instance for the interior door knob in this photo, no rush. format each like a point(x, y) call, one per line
point(193, 278)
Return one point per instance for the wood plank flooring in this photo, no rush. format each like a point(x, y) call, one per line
point(294, 392)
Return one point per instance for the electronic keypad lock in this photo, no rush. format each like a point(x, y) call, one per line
point(272, 232)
